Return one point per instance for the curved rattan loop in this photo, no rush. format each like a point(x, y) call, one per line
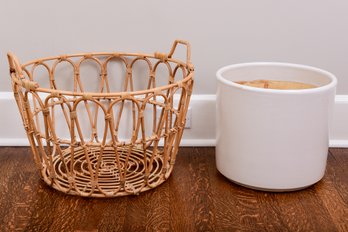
point(112, 143)
point(64, 60)
point(105, 66)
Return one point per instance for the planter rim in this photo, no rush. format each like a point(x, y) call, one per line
point(222, 79)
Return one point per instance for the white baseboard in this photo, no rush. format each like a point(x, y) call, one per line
point(201, 133)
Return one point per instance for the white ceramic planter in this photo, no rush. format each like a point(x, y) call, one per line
point(268, 139)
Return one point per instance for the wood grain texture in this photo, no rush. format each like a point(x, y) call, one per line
point(195, 198)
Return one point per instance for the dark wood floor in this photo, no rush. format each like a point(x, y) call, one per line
point(195, 198)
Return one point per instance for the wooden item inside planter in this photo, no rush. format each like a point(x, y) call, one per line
point(272, 84)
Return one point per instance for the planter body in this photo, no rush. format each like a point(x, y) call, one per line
point(274, 140)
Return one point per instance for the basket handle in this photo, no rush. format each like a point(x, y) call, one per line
point(14, 63)
point(163, 56)
point(18, 77)
point(188, 49)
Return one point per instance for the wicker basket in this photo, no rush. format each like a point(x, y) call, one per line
point(116, 142)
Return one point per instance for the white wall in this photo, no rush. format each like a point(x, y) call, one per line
point(313, 32)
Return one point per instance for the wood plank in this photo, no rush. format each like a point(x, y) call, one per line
point(332, 190)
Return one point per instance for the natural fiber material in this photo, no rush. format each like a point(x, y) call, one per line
point(273, 84)
point(97, 162)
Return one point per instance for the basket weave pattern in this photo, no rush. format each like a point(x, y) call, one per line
point(95, 160)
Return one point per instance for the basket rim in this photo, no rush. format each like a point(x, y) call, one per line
point(189, 66)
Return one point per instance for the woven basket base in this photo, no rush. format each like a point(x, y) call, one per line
point(109, 184)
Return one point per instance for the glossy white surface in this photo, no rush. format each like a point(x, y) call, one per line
point(273, 139)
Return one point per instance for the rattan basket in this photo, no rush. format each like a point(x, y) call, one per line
point(116, 143)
